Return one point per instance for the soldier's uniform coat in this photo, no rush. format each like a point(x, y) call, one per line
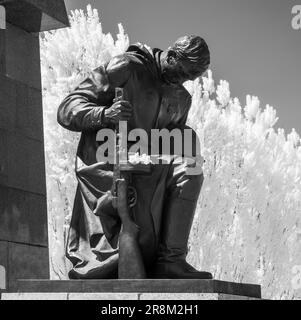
point(92, 245)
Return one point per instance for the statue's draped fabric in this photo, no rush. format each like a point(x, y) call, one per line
point(92, 244)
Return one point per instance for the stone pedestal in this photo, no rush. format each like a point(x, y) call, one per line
point(131, 290)
point(36, 15)
point(23, 210)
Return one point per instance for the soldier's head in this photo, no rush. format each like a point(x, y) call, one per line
point(187, 59)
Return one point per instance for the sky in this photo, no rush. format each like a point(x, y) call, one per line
point(252, 42)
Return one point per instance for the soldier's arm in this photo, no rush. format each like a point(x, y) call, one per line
point(83, 108)
point(195, 143)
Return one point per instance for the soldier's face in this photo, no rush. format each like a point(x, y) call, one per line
point(177, 71)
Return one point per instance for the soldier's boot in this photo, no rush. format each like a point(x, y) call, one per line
point(177, 221)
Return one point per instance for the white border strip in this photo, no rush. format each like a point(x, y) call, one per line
point(2, 18)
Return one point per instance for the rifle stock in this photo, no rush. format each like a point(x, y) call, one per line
point(130, 264)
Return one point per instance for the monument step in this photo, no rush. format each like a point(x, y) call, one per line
point(121, 296)
point(134, 289)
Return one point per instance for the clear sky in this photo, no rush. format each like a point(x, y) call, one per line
point(252, 42)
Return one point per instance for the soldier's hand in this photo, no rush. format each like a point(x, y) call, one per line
point(120, 111)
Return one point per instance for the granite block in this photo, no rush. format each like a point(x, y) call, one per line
point(23, 217)
point(36, 15)
point(7, 103)
point(140, 286)
point(34, 296)
point(3, 158)
point(192, 296)
point(178, 296)
point(23, 56)
point(233, 297)
point(29, 114)
point(123, 296)
point(27, 262)
point(26, 165)
point(102, 296)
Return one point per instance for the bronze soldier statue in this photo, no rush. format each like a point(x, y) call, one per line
point(154, 98)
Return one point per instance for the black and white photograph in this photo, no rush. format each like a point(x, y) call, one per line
point(150, 153)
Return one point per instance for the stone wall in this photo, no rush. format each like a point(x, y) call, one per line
point(23, 215)
point(23, 210)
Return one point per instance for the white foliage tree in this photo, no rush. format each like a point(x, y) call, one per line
point(248, 218)
point(247, 226)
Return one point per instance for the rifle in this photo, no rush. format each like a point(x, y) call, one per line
point(123, 198)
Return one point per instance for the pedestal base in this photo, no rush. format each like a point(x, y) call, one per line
point(131, 290)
